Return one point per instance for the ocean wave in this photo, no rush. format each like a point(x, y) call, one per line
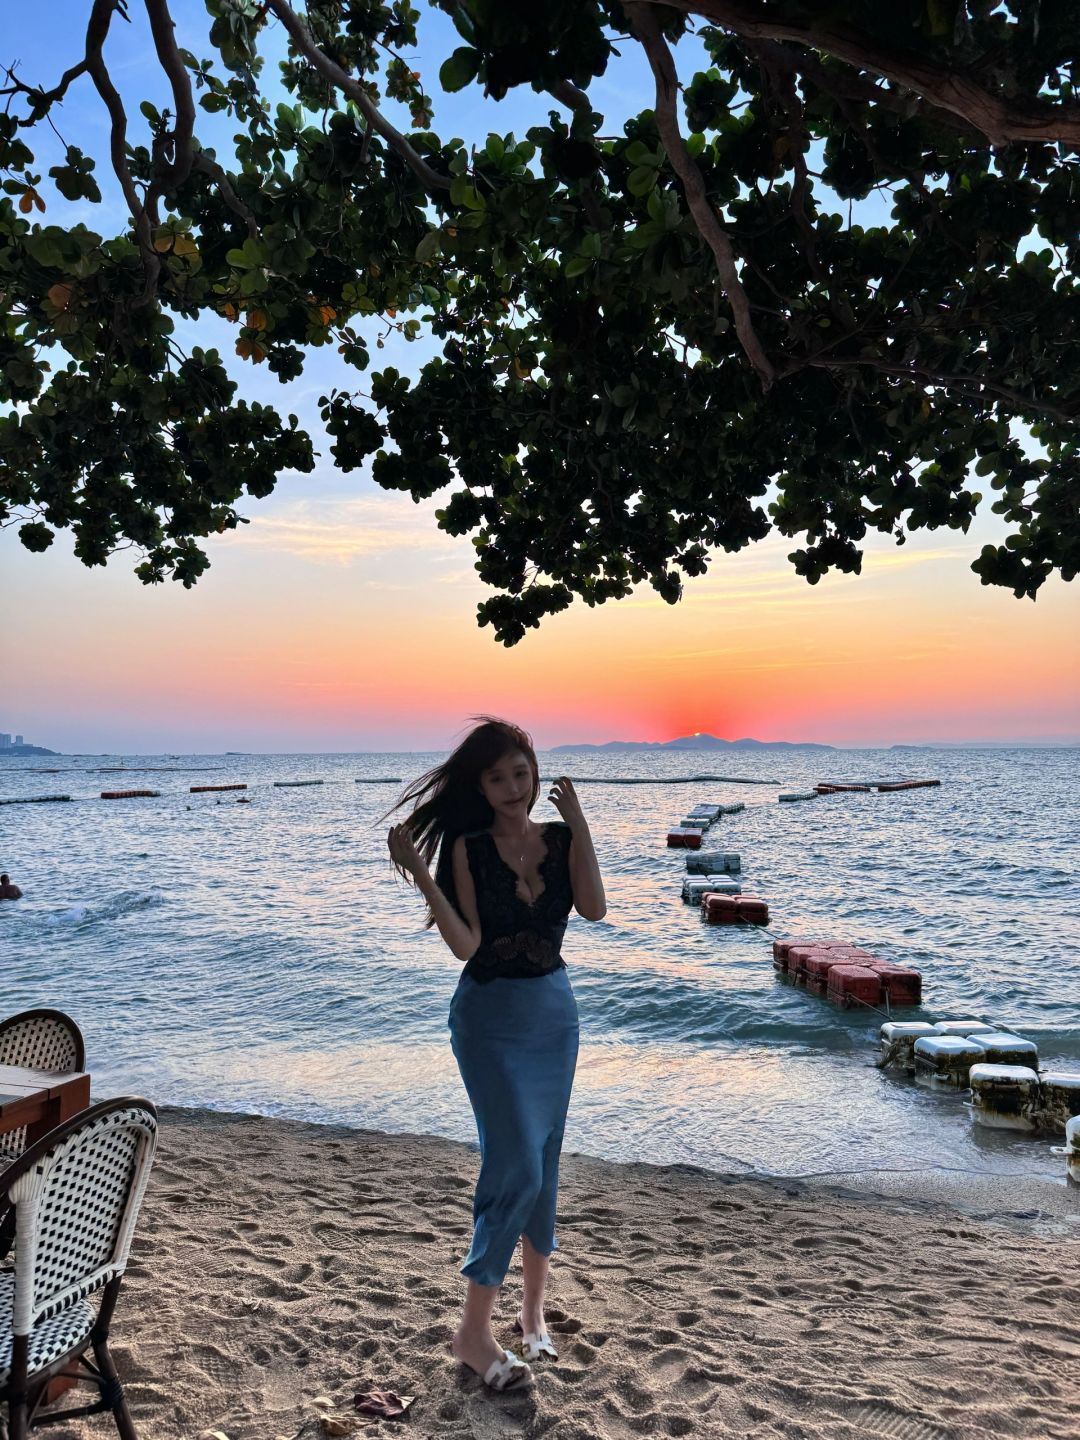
point(98, 911)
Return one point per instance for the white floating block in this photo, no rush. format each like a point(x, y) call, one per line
point(792, 795)
point(731, 809)
point(898, 1039)
point(1003, 1096)
point(946, 1059)
point(695, 822)
point(1071, 1149)
point(712, 862)
point(695, 886)
point(706, 812)
point(1004, 1048)
point(963, 1027)
point(1059, 1097)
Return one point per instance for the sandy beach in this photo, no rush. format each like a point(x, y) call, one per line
point(282, 1267)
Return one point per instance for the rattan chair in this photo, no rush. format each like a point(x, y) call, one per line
point(37, 1040)
point(76, 1193)
point(42, 1040)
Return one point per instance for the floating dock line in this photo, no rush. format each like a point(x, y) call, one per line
point(908, 784)
point(292, 784)
point(149, 769)
point(798, 795)
point(378, 780)
point(34, 799)
point(662, 780)
point(129, 794)
point(204, 789)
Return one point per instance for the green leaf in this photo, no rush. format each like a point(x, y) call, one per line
point(463, 192)
point(461, 67)
point(638, 153)
point(641, 180)
point(577, 266)
point(429, 246)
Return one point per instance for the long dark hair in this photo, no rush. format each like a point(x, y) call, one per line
point(447, 802)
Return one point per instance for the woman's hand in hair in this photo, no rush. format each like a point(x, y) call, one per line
point(403, 851)
point(564, 797)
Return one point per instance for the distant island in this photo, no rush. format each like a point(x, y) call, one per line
point(18, 747)
point(697, 742)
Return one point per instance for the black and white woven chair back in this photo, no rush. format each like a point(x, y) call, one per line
point(41, 1040)
point(77, 1200)
point(37, 1040)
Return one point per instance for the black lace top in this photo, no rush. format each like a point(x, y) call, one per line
point(519, 940)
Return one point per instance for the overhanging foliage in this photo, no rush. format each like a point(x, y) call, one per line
point(648, 323)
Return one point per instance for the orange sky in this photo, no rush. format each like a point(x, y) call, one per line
point(342, 619)
point(348, 622)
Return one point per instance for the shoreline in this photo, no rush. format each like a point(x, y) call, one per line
point(278, 1263)
point(1022, 1202)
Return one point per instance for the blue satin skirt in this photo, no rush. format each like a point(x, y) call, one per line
point(516, 1045)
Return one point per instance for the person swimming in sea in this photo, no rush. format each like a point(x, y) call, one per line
point(502, 890)
point(8, 889)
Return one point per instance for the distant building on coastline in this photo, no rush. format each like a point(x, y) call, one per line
point(18, 746)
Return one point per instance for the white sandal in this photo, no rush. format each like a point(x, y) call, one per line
point(500, 1373)
point(535, 1346)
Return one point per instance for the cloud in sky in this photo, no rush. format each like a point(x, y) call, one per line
point(345, 531)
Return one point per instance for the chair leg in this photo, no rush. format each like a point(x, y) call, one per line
point(113, 1390)
point(17, 1419)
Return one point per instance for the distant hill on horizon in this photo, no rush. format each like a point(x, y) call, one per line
point(698, 742)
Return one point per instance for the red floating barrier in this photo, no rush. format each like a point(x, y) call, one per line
point(781, 948)
point(129, 794)
point(908, 784)
point(818, 964)
point(684, 839)
point(204, 789)
point(734, 909)
point(902, 985)
point(849, 984)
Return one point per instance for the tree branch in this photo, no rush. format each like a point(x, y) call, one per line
point(96, 32)
point(201, 161)
point(41, 100)
point(780, 77)
point(644, 24)
point(974, 386)
point(163, 29)
point(1001, 120)
point(841, 84)
point(570, 95)
point(332, 72)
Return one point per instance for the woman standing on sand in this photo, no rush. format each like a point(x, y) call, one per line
point(501, 895)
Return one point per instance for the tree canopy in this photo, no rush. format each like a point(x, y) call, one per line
point(658, 333)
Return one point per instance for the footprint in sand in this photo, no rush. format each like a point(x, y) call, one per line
point(669, 1363)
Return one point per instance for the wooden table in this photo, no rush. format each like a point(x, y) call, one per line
point(40, 1099)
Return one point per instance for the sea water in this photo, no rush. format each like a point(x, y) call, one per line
point(264, 957)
